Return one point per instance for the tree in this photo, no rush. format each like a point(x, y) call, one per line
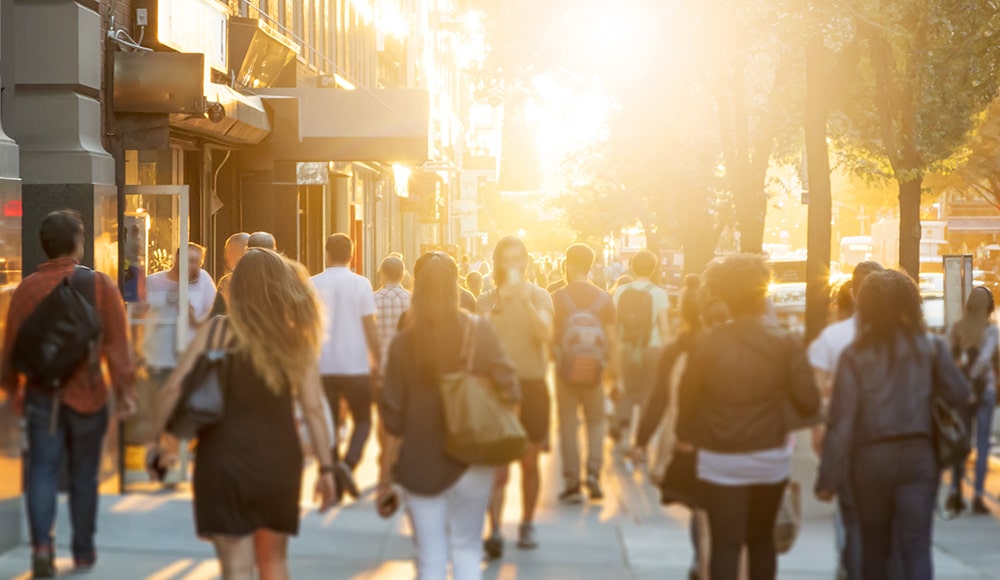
point(751, 68)
point(928, 69)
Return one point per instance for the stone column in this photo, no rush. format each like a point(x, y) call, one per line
point(55, 116)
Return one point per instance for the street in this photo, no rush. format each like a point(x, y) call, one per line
point(150, 536)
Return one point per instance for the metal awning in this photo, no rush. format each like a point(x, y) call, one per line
point(974, 224)
point(243, 121)
point(327, 124)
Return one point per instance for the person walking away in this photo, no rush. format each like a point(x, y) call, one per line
point(824, 354)
point(350, 360)
point(263, 240)
point(642, 323)
point(974, 346)
point(160, 346)
point(522, 315)
point(248, 469)
point(586, 349)
point(391, 302)
point(70, 419)
point(474, 283)
point(740, 382)
point(446, 499)
point(236, 245)
point(880, 428)
point(696, 313)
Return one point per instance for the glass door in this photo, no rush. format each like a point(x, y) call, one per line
point(156, 235)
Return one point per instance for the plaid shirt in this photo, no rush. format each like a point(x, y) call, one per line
point(79, 393)
point(391, 301)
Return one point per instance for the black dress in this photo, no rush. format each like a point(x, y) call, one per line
point(248, 468)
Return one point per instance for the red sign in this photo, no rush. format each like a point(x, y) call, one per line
point(12, 208)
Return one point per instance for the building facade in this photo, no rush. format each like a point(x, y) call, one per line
point(169, 121)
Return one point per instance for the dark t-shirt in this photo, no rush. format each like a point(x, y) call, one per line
point(577, 296)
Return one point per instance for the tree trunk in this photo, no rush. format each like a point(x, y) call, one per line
point(751, 209)
point(909, 225)
point(820, 200)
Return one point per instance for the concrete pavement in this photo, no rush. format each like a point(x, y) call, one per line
point(150, 536)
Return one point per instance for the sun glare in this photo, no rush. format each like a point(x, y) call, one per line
point(565, 119)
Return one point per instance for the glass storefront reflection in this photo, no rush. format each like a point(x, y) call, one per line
point(10, 432)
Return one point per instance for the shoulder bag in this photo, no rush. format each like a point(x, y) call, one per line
point(482, 429)
point(952, 442)
point(202, 400)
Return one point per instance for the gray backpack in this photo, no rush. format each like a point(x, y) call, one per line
point(583, 346)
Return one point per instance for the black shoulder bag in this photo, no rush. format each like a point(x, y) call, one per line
point(202, 400)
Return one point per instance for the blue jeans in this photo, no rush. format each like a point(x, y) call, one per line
point(895, 487)
point(984, 427)
point(80, 438)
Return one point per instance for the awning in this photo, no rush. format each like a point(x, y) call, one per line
point(242, 119)
point(974, 224)
point(328, 124)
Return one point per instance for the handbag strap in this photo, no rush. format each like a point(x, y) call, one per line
point(468, 354)
point(216, 334)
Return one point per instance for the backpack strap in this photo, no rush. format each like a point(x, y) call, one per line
point(84, 281)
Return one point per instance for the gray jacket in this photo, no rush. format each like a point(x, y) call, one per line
point(882, 393)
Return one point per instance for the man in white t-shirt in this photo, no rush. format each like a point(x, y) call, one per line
point(162, 310)
point(162, 313)
point(350, 360)
point(824, 355)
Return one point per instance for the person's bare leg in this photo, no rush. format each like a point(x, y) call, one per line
point(236, 557)
point(530, 483)
point(271, 550)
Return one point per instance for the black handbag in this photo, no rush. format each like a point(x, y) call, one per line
point(202, 400)
point(679, 483)
point(952, 441)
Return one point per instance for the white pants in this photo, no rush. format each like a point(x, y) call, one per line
point(449, 526)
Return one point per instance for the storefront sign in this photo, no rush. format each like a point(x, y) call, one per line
point(195, 26)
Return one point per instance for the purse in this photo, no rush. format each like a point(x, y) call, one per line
point(789, 521)
point(952, 442)
point(482, 429)
point(679, 483)
point(202, 400)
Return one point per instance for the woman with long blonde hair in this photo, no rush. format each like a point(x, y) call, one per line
point(248, 469)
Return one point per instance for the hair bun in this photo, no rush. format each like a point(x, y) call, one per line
point(692, 281)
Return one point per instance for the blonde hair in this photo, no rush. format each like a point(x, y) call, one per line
point(276, 317)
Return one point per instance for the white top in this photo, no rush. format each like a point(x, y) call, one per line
point(755, 468)
point(163, 297)
point(825, 351)
point(661, 302)
point(348, 298)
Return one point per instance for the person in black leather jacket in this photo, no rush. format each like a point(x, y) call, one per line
point(742, 388)
point(879, 430)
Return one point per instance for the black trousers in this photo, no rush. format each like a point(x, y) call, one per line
point(738, 516)
point(356, 390)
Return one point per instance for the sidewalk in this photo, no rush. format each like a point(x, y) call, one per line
point(150, 536)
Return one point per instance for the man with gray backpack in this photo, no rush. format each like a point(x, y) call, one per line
point(642, 323)
point(586, 348)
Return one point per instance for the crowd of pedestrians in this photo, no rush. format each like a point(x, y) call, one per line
point(720, 394)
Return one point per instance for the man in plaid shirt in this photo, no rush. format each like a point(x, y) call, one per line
point(391, 301)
